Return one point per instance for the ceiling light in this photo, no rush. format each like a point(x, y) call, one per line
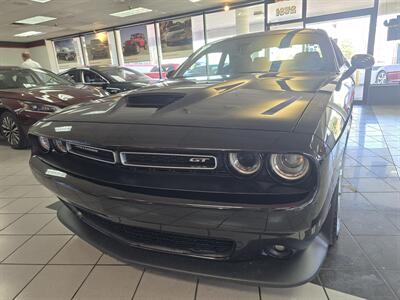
point(226, 7)
point(194, 1)
point(35, 20)
point(28, 33)
point(131, 12)
point(41, 1)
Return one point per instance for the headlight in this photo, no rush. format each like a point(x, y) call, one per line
point(60, 146)
point(245, 163)
point(289, 166)
point(39, 107)
point(44, 143)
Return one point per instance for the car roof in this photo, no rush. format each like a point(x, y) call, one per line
point(273, 32)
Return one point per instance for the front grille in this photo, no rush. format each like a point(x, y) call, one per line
point(162, 241)
point(169, 161)
point(94, 153)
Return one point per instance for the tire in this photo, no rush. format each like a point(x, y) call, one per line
point(381, 78)
point(12, 131)
point(135, 48)
point(332, 221)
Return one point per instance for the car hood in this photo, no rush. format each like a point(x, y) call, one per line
point(61, 96)
point(257, 102)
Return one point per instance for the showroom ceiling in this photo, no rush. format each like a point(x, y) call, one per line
point(75, 16)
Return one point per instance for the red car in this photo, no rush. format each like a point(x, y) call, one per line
point(153, 71)
point(135, 44)
point(27, 96)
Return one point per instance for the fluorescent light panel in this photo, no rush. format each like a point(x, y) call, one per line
point(28, 33)
point(131, 12)
point(41, 1)
point(194, 1)
point(35, 20)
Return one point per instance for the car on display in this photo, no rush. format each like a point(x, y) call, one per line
point(153, 71)
point(99, 49)
point(66, 54)
point(27, 96)
point(386, 74)
point(234, 173)
point(112, 79)
point(135, 44)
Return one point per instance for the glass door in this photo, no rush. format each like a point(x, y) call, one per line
point(351, 35)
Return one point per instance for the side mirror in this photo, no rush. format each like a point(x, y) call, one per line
point(170, 73)
point(358, 61)
point(362, 61)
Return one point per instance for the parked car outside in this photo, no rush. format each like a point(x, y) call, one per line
point(112, 79)
point(234, 173)
point(388, 74)
point(28, 95)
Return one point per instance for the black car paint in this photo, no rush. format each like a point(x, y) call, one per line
point(315, 123)
point(108, 83)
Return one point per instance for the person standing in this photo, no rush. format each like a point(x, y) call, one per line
point(29, 63)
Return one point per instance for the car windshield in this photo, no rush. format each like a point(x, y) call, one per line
point(124, 74)
point(292, 51)
point(29, 78)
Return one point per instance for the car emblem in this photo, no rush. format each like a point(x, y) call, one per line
point(199, 159)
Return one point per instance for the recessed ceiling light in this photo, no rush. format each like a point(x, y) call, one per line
point(41, 1)
point(131, 12)
point(28, 33)
point(194, 1)
point(35, 20)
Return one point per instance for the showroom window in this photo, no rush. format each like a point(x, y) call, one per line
point(233, 22)
point(177, 40)
point(325, 7)
point(138, 49)
point(385, 75)
point(351, 35)
point(68, 53)
point(97, 48)
point(387, 45)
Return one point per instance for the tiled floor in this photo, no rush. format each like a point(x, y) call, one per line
point(40, 259)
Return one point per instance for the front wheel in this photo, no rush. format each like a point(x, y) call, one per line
point(381, 78)
point(12, 131)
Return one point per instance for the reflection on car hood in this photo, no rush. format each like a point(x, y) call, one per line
point(256, 102)
point(61, 95)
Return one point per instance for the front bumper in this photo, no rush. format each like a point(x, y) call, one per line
point(252, 229)
point(299, 269)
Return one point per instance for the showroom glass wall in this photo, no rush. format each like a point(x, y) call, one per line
point(167, 43)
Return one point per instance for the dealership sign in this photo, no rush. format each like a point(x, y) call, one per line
point(284, 11)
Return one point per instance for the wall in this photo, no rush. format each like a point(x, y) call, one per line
point(41, 54)
point(11, 56)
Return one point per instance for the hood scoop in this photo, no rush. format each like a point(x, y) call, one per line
point(157, 101)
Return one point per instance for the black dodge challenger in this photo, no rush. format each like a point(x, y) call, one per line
point(230, 169)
